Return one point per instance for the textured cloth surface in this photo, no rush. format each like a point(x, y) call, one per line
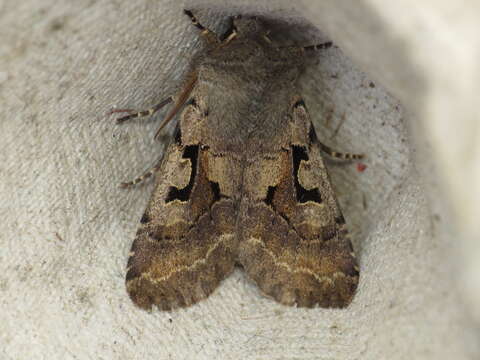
point(67, 227)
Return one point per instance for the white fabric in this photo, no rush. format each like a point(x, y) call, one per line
point(67, 227)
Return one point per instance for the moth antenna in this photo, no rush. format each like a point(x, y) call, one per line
point(180, 100)
point(207, 34)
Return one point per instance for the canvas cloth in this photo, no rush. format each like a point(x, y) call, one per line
point(67, 227)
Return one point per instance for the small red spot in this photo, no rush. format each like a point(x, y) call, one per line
point(361, 167)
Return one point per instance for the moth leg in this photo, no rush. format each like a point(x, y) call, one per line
point(141, 113)
point(207, 34)
point(340, 155)
point(142, 177)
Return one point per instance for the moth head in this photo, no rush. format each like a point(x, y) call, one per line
point(248, 26)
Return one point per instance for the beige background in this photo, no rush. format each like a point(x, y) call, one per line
point(67, 228)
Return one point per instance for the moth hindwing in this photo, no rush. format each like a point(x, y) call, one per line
point(243, 181)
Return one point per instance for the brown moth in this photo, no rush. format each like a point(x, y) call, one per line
point(242, 182)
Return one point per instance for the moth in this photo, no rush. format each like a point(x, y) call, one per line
point(242, 182)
